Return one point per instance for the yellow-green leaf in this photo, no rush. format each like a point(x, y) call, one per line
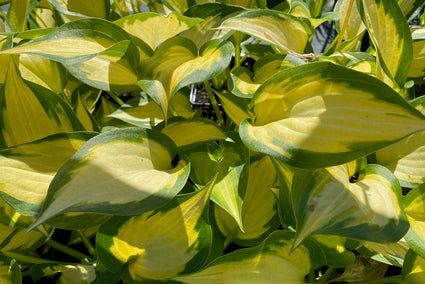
point(414, 268)
point(366, 209)
point(269, 262)
point(176, 64)
point(391, 254)
point(95, 51)
point(185, 132)
point(274, 27)
point(28, 169)
point(30, 112)
point(236, 108)
point(159, 244)
point(259, 212)
point(16, 15)
point(390, 34)
point(153, 28)
point(414, 207)
point(418, 67)
point(76, 9)
point(406, 158)
point(43, 71)
point(137, 168)
point(321, 114)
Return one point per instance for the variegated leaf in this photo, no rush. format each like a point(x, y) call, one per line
point(414, 268)
point(409, 7)
point(406, 158)
point(391, 254)
point(287, 32)
point(137, 169)
point(366, 209)
point(230, 161)
point(176, 64)
point(259, 212)
point(414, 207)
point(159, 244)
point(70, 273)
point(334, 248)
point(355, 25)
point(30, 112)
point(417, 71)
point(28, 169)
point(236, 108)
point(95, 51)
point(213, 14)
point(43, 71)
point(269, 262)
point(321, 114)
point(17, 12)
point(240, 82)
point(390, 34)
point(153, 28)
point(13, 240)
point(185, 132)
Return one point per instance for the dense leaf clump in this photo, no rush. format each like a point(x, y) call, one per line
point(297, 168)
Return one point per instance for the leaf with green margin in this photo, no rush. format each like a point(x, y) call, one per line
point(75, 9)
point(153, 28)
point(365, 210)
point(274, 27)
point(85, 117)
point(70, 273)
point(269, 262)
point(391, 254)
point(144, 112)
point(390, 34)
point(186, 132)
point(335, 251)
point(17, 12)
point(176, 64)
point(112, 69)
point(230, 161)
point(240, 83)
point(320, 114)
point(355, 25)
point(406, 158)
point(159, 244)
point(259, 212)
point(76, 41)
point(414, 208)
point(43, 71)
point(236, 108)
point(213, 14)
point(10, 271)
point(95, 51)
point(409, 6)
point(15, 241)
point(414, 268)
point(283, 194)
point(124, 171)
point(28, 169)
point(30, 112)
point(417, 72)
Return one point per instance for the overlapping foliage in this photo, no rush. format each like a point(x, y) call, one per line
point(312, 170)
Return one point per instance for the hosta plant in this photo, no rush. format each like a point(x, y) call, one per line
point(310, 170)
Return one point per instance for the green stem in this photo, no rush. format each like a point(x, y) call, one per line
point(27, 258)
point(87, 243)
point(312, 277)
point(69, 251)
point(118, 5)
point(326, 275)
point(116, 98)
point(214, 102)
